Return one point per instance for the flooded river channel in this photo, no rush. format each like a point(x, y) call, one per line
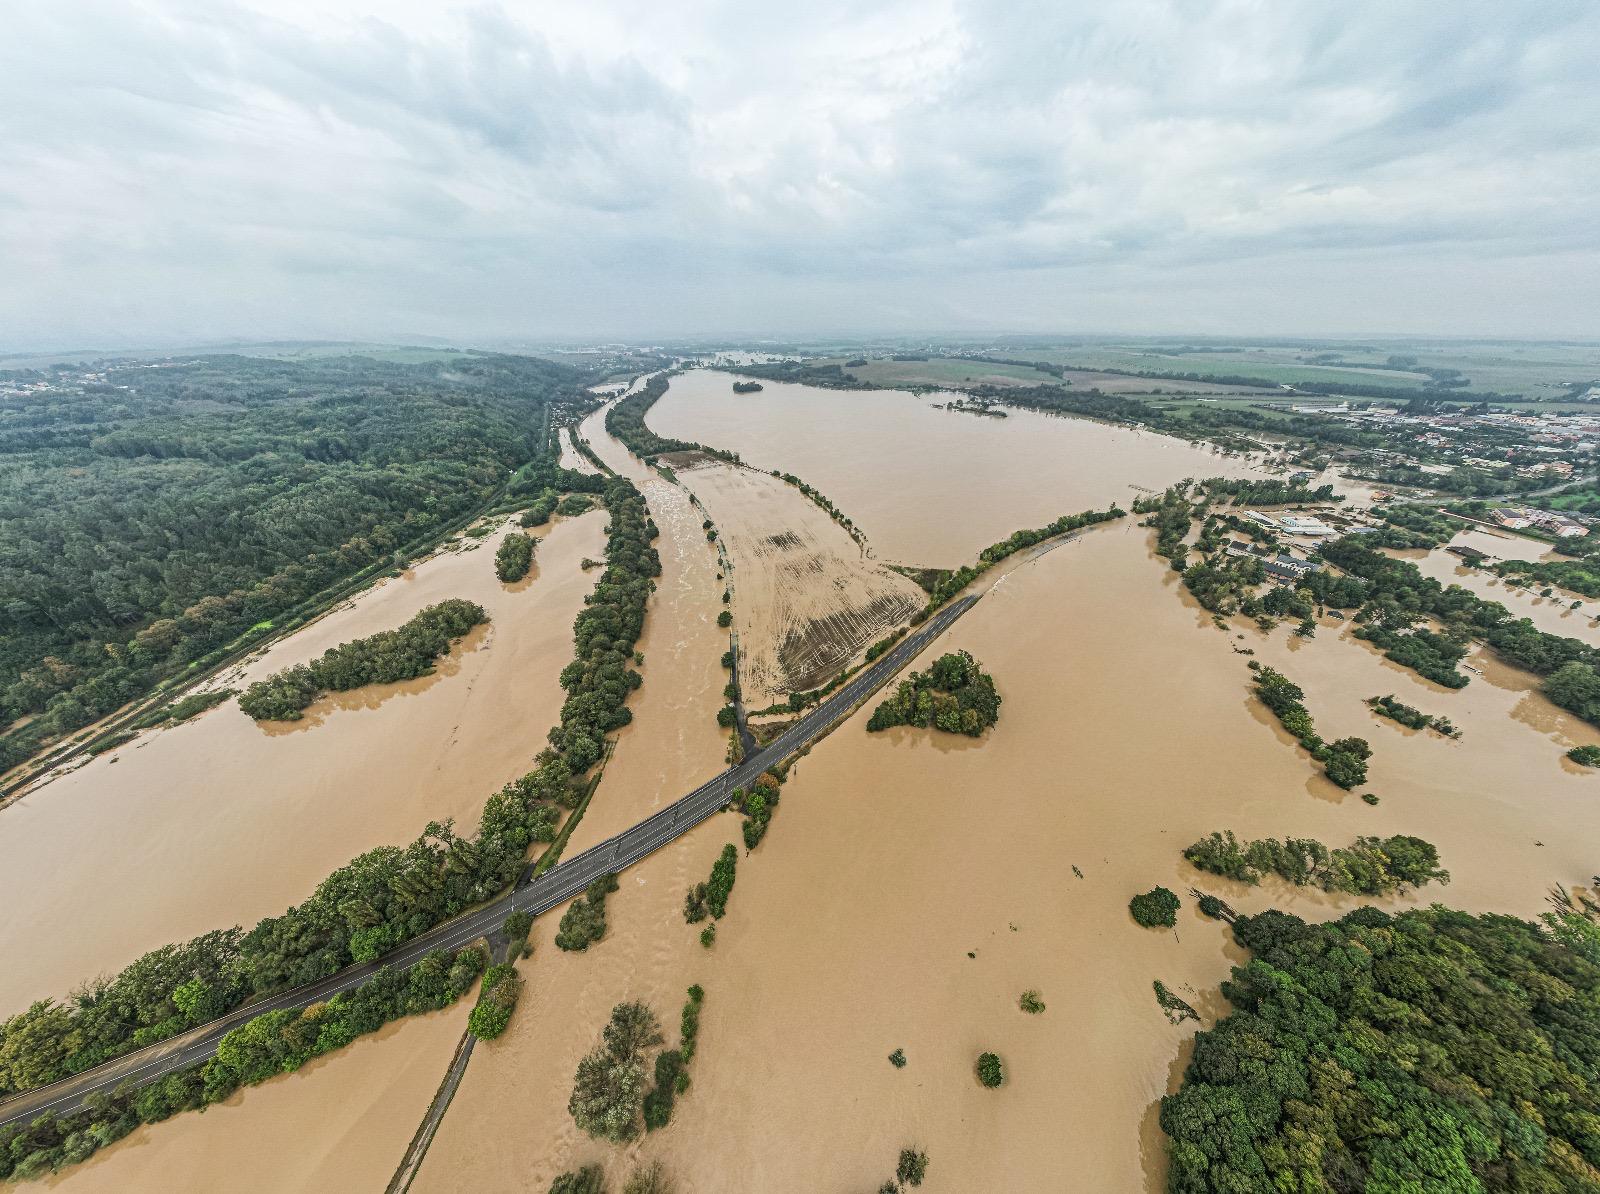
point(930, 487)
point(912, 885)
point(223, 820)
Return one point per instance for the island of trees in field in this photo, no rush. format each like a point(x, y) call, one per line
point(156, 520)
point(402, 654)
point(954, 695)
point(1429, 1050)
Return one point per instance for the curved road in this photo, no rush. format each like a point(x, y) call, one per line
point(551, 889)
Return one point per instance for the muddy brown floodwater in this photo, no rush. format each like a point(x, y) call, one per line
point(344, 1122)
point(913, 886)
point(570, 456)
point(806, 600)
point(223, 820)
point(930, 487)
point(341, 1123)
point(1127, 732)
point(1553, 614)
point(508, 1128)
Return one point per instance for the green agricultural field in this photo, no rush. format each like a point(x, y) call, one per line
point(1533, 370)
point(942, 373)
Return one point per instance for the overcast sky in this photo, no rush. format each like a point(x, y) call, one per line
point(176, 170)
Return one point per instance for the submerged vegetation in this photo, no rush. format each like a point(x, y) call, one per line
point(1393, 594)
point(539, 510)
point(672, 1065)
point(270, 1044)
point(402, 654)
point(712, 896)
point(1581, 576)
point(954, 695)
point(951, 583)
point(1369, 866)
point(991, 1071)
point(609, 1086)
point(1155, 909)
point(584, 921)
point(497, 999)
point(1412, 718)
point(758, 805)
point(514, 557)
point(183, 709)
point(625, 420)
point(1429, 1050)
point(1344, 760)
point(1176, 1009)
point(387, 895)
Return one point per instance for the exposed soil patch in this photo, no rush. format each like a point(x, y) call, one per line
point(805, 601)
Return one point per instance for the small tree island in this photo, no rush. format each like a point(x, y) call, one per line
point(954, 695)
point(747, 387)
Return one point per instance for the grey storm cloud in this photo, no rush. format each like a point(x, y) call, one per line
point(179, 169)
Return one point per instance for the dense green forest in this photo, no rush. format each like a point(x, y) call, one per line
point(954, 694)
point(150, 518)
point(1429, 1050)
point(404, 653)
point(387, 895)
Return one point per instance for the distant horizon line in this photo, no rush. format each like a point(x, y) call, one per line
point(709, 340)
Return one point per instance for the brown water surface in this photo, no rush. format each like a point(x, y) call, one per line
point(1553, 614)
point(1128, 732)
point(222, 820)
point(930, 487)
point(912, 886)
point(508, 1128)
point(341, 1123)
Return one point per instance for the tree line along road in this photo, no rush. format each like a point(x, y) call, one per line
point(548, 891)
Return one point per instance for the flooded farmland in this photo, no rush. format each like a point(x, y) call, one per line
point(930, 487)
point(913, 885)
point(673, 743)
point(223, 820)
point(382, 1085)
point(806, 599)
point(508, 1128)
point(1127, 733)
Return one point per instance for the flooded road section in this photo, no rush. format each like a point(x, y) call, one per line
point(223, 820)
point(930, 487)
point(571, 458)
point(912, 887)
point(806, 600)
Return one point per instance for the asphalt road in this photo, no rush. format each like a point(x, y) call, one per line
point(550, 890)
